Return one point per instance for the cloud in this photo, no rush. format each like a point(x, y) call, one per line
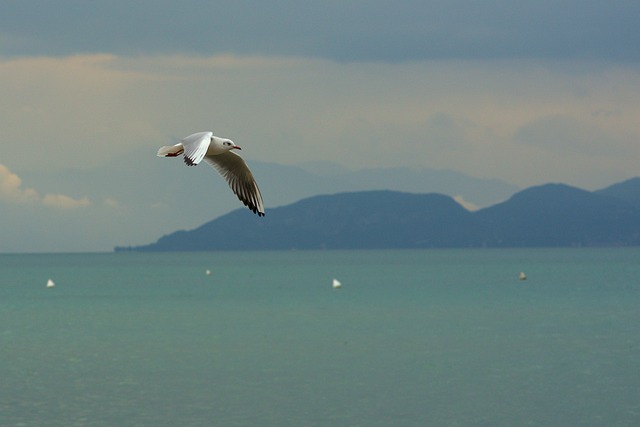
point(471, 116)
point(80, 107)
point(60, 201)
point(111, 203)
point(90, 125)
point(12, 191)
point(448, 131)
point(528, 92)
point(569, 135)
point(354, 30)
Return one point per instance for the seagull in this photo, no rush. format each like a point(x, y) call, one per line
point(336, 284)
point(217, 152)
point(50, 283)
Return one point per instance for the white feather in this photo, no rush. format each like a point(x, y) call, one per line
point(217, 152)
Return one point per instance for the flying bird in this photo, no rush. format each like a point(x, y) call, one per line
point(218, 153)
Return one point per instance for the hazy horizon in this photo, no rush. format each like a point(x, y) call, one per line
point(525, 93)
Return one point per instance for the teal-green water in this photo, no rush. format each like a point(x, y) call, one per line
point(413, 338)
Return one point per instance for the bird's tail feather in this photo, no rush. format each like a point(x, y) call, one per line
point(170, 150)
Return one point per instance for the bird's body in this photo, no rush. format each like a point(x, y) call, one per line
point(217, 152)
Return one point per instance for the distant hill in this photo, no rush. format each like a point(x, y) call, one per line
point(282, 184)
point(180, 197)
point(548, 215)
point(628, 191)
point(560, 215)
point(372, 219)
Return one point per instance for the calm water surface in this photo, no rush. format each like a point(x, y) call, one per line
point(413, 338)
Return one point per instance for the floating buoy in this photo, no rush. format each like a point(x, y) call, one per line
point(522, 276)
point(207, 272)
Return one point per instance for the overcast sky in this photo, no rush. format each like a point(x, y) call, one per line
point(527, 92)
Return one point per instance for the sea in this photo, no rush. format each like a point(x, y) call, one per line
point(412, 338)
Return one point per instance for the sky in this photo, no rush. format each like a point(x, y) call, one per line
point(525, 92)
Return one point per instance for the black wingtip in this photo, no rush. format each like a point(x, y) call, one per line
point(253, 208)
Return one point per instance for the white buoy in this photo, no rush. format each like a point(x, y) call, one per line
point(50, 283)
point(522, 276)
point(207, 272)
point(336, 284)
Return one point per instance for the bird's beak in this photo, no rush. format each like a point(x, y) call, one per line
point(236, 147)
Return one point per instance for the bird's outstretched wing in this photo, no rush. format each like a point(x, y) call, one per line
point(237, 174)
point(195, 147)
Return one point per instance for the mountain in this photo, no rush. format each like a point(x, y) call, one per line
point(547, 215)
point(628, 191)
point(372, 219)
point(560, 215)
point(284, 184)
point(136, 196)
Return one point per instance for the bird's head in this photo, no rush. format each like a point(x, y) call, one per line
point(230, 145)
